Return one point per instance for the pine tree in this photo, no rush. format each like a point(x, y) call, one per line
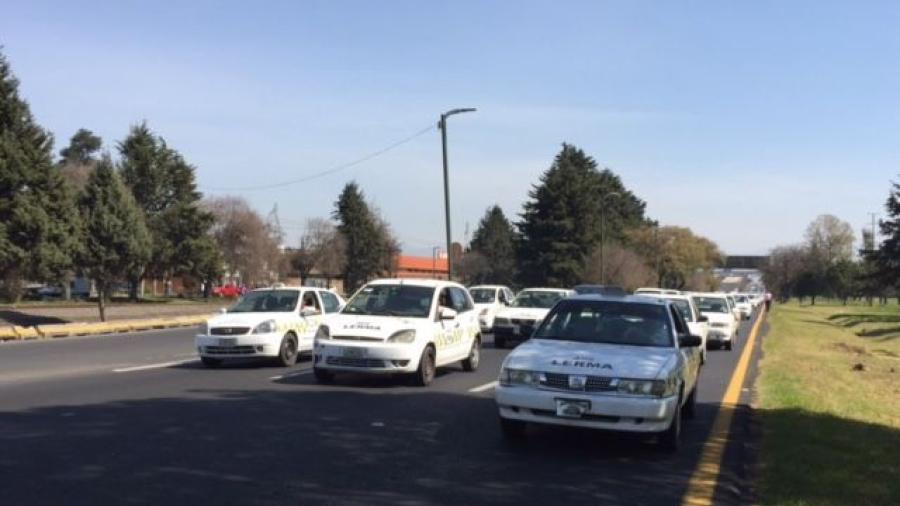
point(82, 147)
point(888, 255)
point(495, 241)
point(562, 222)
point(116, 238)
point(38, 225)
point(369, 247)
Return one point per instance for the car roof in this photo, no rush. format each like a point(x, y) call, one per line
point(297, 288)
point(540, 289)
point(670, 296)
point(488, 287)
point(432, 283)
point(631, 299)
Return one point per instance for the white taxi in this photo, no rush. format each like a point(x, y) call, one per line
point(489, 300)
point(697, 322)
point(723, 327)
point(278, 322)
point(400, 326)
point(627, 364)
point(525, 313)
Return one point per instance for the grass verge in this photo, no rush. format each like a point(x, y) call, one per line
point(829, 390)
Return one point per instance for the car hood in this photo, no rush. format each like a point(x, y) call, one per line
point(523, 313)
point(371, 326)
point(719, 317)
point(571, 357)
point(243, 319)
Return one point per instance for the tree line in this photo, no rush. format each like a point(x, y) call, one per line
point(825, 264)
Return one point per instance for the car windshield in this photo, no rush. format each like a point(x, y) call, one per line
point(608, 322)
point(683, 307)
point(392, 300)
point(711, 304)
point(267, 301)
point(483, 295)
point(537, 298)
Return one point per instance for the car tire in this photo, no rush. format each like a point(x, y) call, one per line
point(471, 362)
point(211, 362)
point(499, 342)
point(512, 430)
point(322, 376)
point(424, 375)
point(690, 407)
point(670, 439)
point(288, 351)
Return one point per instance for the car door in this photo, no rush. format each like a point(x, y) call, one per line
point(443, 332)
point(467, 322)
point(690, 354)
point(309, 323)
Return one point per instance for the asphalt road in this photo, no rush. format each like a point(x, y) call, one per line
point(134, 419)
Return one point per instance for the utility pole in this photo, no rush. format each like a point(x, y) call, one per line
point(442, 124)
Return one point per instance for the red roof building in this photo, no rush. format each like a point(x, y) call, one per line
point(421, 267)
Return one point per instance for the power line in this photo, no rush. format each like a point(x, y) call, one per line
point(332, 170)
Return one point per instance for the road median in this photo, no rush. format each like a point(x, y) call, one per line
point(62, 330)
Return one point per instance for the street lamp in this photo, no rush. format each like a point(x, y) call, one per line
point(442, 124)
point(603, 233)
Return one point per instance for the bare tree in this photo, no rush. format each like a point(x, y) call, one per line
point(250, 248)
point(321, 249)
point(829, 240)
point(623, 267)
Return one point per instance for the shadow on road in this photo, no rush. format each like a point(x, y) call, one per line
point(28, 320)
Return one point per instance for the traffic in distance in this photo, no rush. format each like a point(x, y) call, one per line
point(592, 356)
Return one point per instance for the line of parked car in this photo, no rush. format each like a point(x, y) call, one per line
point(593, 356)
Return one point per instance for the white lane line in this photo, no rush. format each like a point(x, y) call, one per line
point(161, 365)
point(482, 388)
point(291, 374)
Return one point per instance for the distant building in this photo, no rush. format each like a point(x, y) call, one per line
point(409, 266)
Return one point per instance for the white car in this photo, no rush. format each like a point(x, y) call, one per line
point(734, 309)
point(628, 364)
point(278, 322)
point(722, 325)
point(696, 321)
point(743, 305)
point(489, 300)
point(525, 313)
point(400, 326)
point(656, 291)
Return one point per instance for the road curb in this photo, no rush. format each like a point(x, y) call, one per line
point(63, 330)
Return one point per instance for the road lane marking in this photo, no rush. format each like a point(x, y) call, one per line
point(482, 388)
point(291, 374)
point(701, 488)
point(161, 365)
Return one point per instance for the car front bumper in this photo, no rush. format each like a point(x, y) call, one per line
point(607, 412)
point(247, 345)
point(718, 335)
point(368, 357)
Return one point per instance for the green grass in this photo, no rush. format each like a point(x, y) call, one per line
point(831, 434)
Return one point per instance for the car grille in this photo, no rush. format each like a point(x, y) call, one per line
point(229, 350)
point(522, 321)
point(358, 338)
point(229, 331)
point(355, 362)
point(594, 383)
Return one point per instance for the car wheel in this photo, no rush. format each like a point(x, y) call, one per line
point(323, 376)
point(211, 362)
point(471, 362)
point(287, 353)
point(690, 407)
point(499, 342)
point(513, 430)
point(670, 439)
point(425, 374)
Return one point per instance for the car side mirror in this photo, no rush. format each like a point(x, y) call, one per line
point(447, 313)
point(689, 341)
point(703, 318)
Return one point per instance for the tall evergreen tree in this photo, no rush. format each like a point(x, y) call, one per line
point(369, 248)
point(116, 238)
point(38, 223)
point(82, 147)
point(888, 255)
point(562, 222)
point(495, 241)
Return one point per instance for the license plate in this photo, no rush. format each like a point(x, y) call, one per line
point(569, 408)
point(227, 342)
point(354, 352)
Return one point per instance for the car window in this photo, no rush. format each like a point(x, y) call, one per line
point(310, 301)
point(537, 299)
point(330, 301)
point(484, 295)
point(460, 301)
point(608, 322)
point(712, 304)
point(681, 327)
point(267, 301)
point(392, 300)
point(684, 308)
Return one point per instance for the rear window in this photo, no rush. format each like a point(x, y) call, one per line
point(711, 304)
point(608, 322)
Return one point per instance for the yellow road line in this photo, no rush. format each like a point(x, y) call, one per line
point(702, 487)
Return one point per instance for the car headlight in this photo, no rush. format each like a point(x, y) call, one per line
point(265, 327)
point(323, 333)
point(521, 377)
point(657, 388)
point(203, 328)
point(403, 336)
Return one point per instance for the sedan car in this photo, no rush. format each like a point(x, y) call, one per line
point(697, 322)
point(489, 300)
point(743, 305)
point(722, 325)
point(627, 364)
point(525, 313)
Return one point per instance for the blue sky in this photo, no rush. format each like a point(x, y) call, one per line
point(742, 121)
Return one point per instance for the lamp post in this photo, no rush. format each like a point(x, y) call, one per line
point(603, 233)
point(442, 124)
